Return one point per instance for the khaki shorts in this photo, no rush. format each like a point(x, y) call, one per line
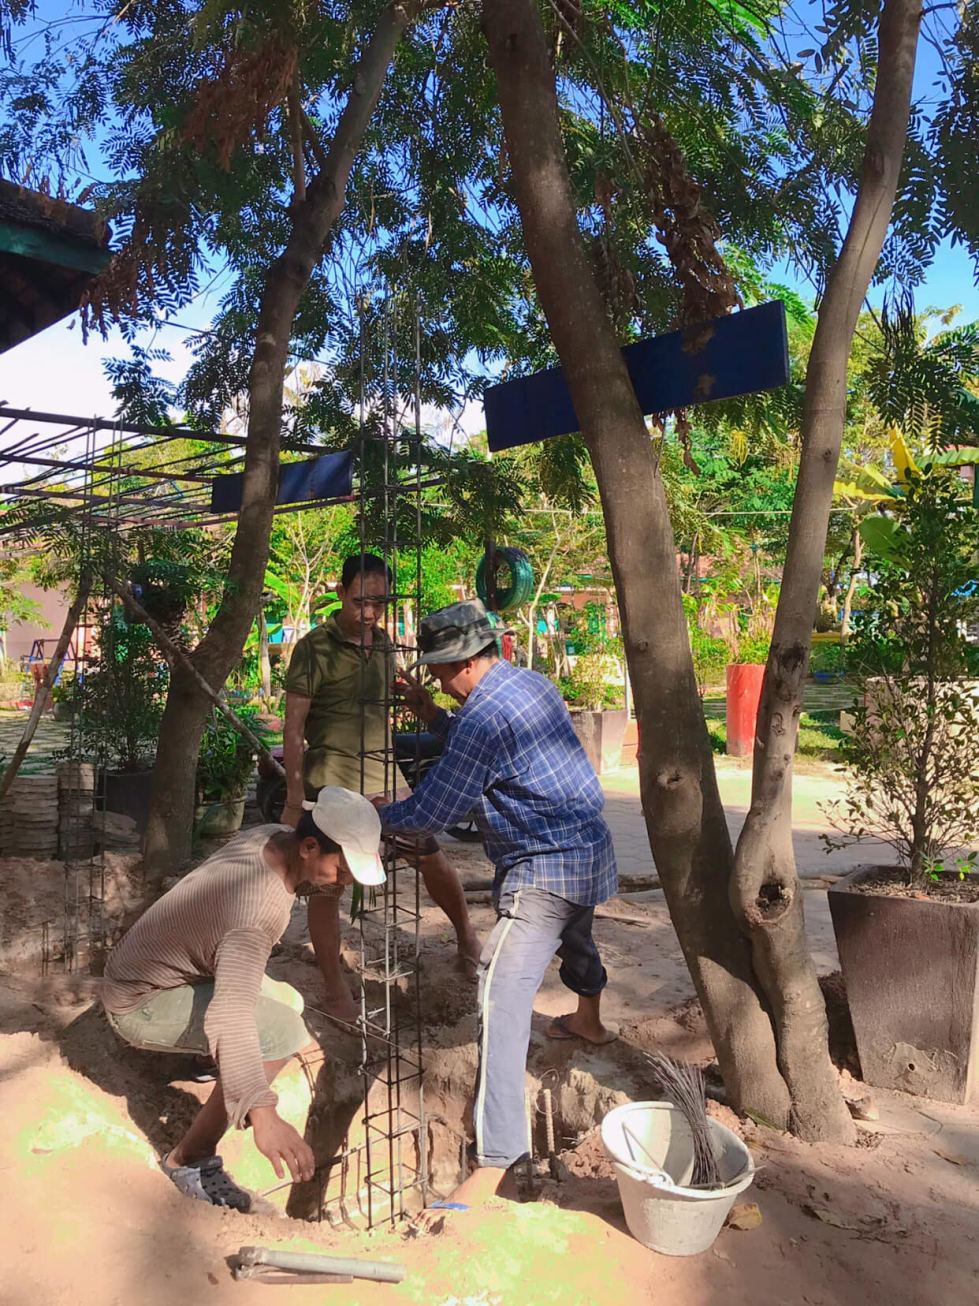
point(173, 1020)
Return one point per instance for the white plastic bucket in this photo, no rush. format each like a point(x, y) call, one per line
point(651, 1147)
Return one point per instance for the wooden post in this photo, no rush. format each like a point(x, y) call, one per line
point(50, 676)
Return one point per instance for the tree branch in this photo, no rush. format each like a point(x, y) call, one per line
point(296, 132)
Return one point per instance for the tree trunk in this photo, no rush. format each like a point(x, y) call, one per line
point(72, 618)
point(765, 890)
point(171, 813)
point(685, 820)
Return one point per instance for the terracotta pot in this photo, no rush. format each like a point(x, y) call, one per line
point(910, 967)
point(744, 681)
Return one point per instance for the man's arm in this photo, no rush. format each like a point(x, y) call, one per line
point(232, 1037)
point(451, 789)
point(415, 696)
point(294, 748)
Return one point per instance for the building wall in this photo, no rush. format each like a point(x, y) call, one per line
point(54, 606)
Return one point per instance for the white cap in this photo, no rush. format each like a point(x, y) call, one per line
point(352, 822)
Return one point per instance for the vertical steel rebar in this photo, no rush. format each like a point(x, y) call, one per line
point(390, 526)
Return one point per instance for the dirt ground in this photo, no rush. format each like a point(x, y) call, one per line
point(90, 1221)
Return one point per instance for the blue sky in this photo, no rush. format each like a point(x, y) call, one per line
point(54, 371)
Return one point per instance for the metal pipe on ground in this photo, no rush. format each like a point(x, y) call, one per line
point(250, 1258)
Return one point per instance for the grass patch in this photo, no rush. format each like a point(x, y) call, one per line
point(819, 735)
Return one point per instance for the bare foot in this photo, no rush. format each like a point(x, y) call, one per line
point(482, 1185)
point(467, 956)
point(341, 1005)
point(577, 1026)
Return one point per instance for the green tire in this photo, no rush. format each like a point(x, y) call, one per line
point(521, 587)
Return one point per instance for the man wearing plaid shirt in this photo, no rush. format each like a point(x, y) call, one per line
point(511, 754)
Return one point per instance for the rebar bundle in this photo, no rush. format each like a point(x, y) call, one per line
point(684, 1087)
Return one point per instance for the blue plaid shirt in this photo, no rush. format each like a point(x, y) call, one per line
point(513, 758)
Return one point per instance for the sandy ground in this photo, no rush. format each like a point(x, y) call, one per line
point(90, 1221)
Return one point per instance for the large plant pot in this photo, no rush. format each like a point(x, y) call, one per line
point(910, 967)
point(601, 735)
point(223, 817)
point(128, 793)
point(744, 681)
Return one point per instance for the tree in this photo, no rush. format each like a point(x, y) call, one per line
point(682, 821)
point(685, 820)
point(765, 890)
point(203, 113)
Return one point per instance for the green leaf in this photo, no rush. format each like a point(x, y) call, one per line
point(880, 534)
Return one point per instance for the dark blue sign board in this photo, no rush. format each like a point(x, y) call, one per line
point(329, 477)
point(739, 354)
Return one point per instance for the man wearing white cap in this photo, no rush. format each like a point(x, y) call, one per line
point(189, 977)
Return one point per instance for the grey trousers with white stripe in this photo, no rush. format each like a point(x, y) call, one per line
point(533, 925)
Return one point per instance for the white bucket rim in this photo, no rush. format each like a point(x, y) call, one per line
point(654, 1177)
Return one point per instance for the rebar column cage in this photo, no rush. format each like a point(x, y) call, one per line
point(391, 456)
point(81, 798)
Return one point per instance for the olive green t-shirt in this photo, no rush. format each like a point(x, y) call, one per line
point(339, 677)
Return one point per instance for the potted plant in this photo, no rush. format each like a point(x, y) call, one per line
point(826, 663)
point(908, 932)
point(710, 658)
point(225, 765)
point(121, 701)
point(744, 681)
point(593, 702)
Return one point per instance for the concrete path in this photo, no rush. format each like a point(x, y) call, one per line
point(809, 793)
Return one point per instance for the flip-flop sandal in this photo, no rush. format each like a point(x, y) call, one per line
point(569, 1036)
point(208, 1181)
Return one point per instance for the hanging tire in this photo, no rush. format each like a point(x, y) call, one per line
point(521, 587)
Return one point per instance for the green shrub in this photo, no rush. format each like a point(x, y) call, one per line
point(913, 754)
point(122, 695)
point(226, 759)
point(710, 658)
point(826, 657)
point(588, 685)
point(753, 649)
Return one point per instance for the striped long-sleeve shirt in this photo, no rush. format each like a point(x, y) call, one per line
point(219, 923)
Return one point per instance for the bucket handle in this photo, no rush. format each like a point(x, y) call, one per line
point(662, 1177)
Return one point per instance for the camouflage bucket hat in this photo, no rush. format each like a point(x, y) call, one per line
point(457, 632)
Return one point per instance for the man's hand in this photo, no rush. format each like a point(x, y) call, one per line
point(415, 696)
point(380, 801)
point(292, 811)
point(281, 1144)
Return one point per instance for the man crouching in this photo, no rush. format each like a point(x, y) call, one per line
point(189, 977)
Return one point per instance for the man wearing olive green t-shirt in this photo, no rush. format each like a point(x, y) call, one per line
point(328, 740)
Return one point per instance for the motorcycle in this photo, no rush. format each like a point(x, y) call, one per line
point(415, 755)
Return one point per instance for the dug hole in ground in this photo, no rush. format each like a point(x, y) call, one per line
point(90, 1220)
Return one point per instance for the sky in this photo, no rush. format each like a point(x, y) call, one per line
point(56, 372)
